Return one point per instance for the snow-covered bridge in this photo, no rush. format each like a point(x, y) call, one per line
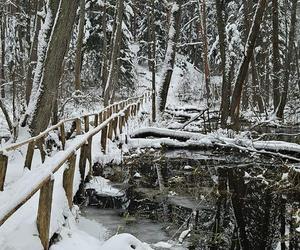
point(19, 187)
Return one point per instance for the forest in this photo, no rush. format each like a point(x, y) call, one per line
point(149, 124)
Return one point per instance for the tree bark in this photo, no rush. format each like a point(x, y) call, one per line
point(33, 53)
point(153, 60)
point(2, 57)
point(203, 32)
point(169, 62)
point(276, 55)
point(104, 71)
point(78, 57)
point(289, 56)
point(242, 73)
point(116, 44)
point(226, 86)
point(52, 70)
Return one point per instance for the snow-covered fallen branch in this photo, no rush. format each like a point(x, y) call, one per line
point(178, 139)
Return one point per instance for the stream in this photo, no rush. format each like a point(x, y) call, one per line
point(200, 200)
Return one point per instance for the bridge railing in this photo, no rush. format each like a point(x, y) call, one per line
point(109, 122)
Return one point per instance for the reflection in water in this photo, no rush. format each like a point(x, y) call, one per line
point(228, 202)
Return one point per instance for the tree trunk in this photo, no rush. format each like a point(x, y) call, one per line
point(116, 44)
point(2, 56)
point(78, 58)
point(257, 97)
point(203, 32)
point(242, 73)
point(43, 43)
point(104, 71)
point(276, 56)
point(33, 52)
point(288, 59)
point(153, 60)
point(169, 62)
point(52, 70)
point(7, 117)
point(226, 86)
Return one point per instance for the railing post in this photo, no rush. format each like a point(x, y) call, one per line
point(104, 139)
point(3, 168)
point(126, 115)
point(89, 155)
point(86, 124)
point(116, 122)
point(29, 155)
point(121, 123)
point(138, 106)
point(78, 126)
point(68, 179)
point(63, 136)
point(44, 213)
point(40, 144)
point(96, 120)
point(100, 117)
point(82, 160)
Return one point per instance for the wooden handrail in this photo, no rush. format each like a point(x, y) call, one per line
point(42, 178)
point(17, 145)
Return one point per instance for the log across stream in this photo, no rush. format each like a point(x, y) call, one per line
point(219, 200)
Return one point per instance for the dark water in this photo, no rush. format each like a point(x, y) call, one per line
point(227, 200)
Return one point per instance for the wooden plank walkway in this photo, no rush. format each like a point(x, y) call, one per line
point(109, 122)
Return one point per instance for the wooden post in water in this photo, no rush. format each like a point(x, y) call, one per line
point(78, 126)
point(68, 179)
point(63, 136)
point(44, 213)
point(3, 168)
point(29, 155)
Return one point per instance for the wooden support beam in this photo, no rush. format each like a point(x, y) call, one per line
point(3, 168)
point(86, 124)
point(40, 145)
point(63, 136)
point(110, 130)
point(44, 213)
point(89, 155)
point(121, 118)
point(68, 179)
point(139, 106)
point(82, 160)
point(96, 120)
point(100, 117)
point(29, 155)
point(78, 126)
point(104, 139)
point(115, 127)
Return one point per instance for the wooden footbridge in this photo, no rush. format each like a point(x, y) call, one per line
point(109, 122)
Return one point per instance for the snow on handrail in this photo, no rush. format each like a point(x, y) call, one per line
point(14, 146)
point(41, 178)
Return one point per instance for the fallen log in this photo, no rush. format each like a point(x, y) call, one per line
point(180, 139)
